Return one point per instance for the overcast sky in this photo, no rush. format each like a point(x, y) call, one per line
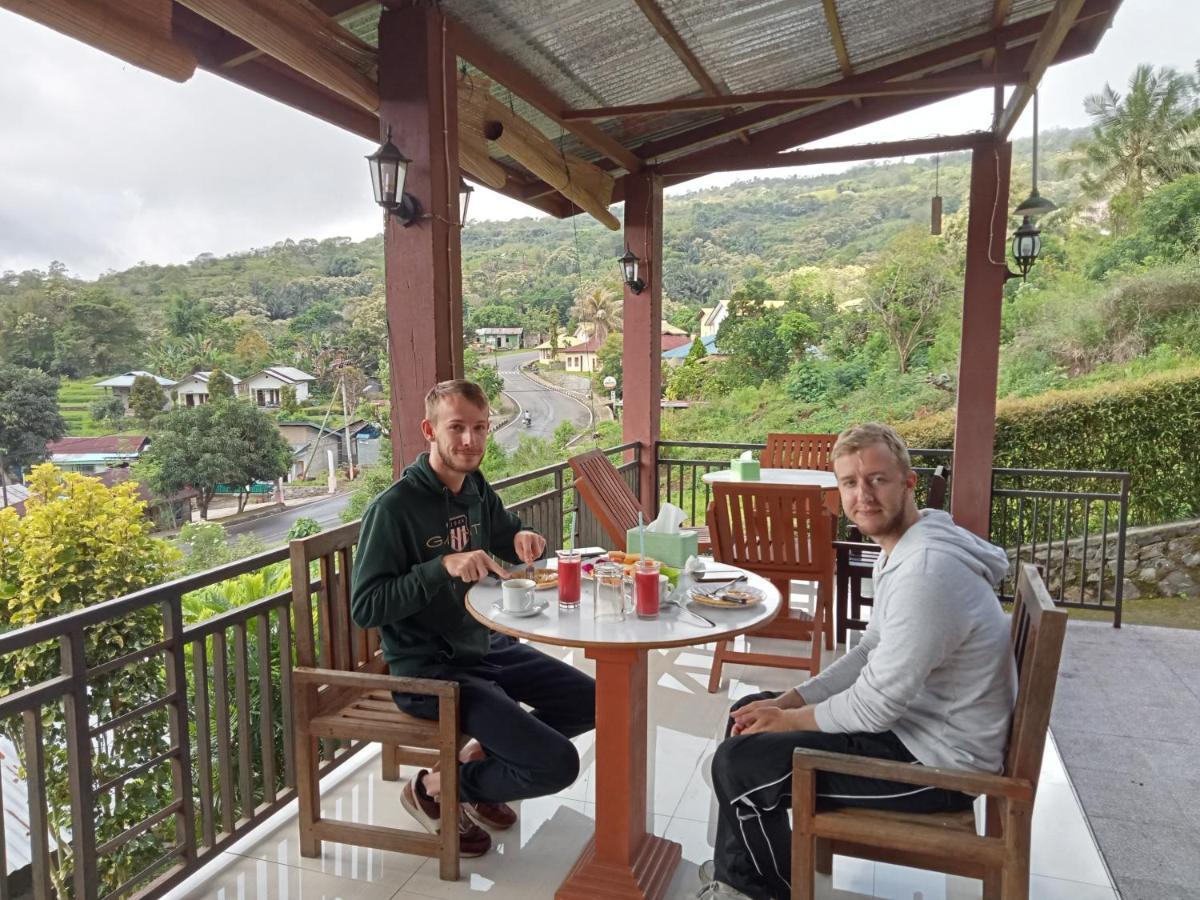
point(103, 165)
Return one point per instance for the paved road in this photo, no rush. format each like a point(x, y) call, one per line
point(547, 408)
point(272, 530)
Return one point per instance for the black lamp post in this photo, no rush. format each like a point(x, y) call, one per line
point(388, 170)
point(629, 270)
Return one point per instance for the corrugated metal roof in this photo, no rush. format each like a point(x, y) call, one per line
point(127, 379)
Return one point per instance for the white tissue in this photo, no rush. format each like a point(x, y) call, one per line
point(670, 517)
point(748, 456)
point(694, 565)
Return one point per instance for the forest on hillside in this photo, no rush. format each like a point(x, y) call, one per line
point(869, 325)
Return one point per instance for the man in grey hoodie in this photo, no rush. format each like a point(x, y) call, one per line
point(932, 682)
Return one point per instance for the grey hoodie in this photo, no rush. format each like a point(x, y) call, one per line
point(935, 665)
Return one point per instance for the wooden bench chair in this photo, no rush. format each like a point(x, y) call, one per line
point(614, 505)
point(798, 451)
point(947, 842)
point(344, 692)
point(783, 533)
point(855, 560)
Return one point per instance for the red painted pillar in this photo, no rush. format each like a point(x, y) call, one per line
point(417, 90)
point(641, 360)
point(983, 295)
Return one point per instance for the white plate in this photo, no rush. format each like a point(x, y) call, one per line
point(523, 614)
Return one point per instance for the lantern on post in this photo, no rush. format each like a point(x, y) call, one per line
point(465, 190)
point(1026, 246)
point(389, 167)
point(629, 271)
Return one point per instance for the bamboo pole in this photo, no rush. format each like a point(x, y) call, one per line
point(108, 26)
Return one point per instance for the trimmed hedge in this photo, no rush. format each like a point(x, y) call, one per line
point(1149, 427)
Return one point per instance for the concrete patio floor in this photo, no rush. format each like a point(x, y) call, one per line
point(1127, 721)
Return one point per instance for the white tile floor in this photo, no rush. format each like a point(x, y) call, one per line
point(530, 861)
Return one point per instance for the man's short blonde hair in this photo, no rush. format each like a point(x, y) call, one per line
point(455, 387)
point(871, 434)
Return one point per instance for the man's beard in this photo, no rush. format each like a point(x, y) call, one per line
point(894, 525)
point(454, 463)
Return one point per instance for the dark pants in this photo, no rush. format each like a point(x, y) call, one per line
point(752, 777)
point(529, 753)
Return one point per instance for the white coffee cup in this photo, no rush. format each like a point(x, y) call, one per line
point(517, 594)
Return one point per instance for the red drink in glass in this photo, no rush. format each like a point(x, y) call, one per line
point(646, 589)
point(569, 565)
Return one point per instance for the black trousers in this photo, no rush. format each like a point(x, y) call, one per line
point(752, 777)
point(529, 753)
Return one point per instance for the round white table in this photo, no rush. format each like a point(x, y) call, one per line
point(623, 859)
point(813, 477)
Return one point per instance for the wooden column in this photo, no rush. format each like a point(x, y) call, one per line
point(641, 361)
point(417, 92)
point(975, 425)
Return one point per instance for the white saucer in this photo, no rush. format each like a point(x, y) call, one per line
point(524, 614)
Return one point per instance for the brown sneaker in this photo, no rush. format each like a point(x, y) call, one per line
point(497, 816)
point(472, 840)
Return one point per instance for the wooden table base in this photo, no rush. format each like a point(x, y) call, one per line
point(623, 859)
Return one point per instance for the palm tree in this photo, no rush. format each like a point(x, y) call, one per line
point(1149, 136)
point(601, 309)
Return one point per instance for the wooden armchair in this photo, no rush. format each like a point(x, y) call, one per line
point(611, 501)
point(947, 842)
point(781, 532)
point(344, 692)
point(856, 560)
point(798, 451)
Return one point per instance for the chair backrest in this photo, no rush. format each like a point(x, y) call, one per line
point(775, 530)
point(606, 494)
point(935, 498)
point(798, 451)
point(326, 636)
point(1038, 629)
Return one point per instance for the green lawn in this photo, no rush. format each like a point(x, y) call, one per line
point(1166, 612)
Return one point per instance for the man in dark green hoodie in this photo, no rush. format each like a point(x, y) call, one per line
point(424, 541)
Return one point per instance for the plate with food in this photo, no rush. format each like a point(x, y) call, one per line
point(545, 578)
point(726, 598)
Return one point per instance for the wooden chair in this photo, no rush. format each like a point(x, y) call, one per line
point(611, 501)
point(781, 532)
point(944, 842)
point(798, 451)
point(344, 692)
point(856, 561)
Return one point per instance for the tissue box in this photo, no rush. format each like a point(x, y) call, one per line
point(745, 469)
point(672, 549)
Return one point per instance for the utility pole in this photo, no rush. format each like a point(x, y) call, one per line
point(4, 476)
point(346, 428)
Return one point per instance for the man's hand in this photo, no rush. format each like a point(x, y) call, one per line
point(472, 565)
point(744, 715)
point(768, 719)
point(529, 546)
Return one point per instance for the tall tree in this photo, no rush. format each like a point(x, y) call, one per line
point(29, 417)
point(220, 386)
point(100, 335)
point(223, 442)
point(146, 399)
point(601, 309)
point(1148, 136)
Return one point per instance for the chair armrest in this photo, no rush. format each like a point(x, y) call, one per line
point(908, 773)
point(373, 681)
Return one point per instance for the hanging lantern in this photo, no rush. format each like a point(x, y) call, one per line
point(389, 167)
point(1026, 246)
point(935, 205)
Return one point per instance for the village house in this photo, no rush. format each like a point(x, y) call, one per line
point(713, 316)
point(93, 455)
point(265, 388)
point(500, 338)
point(193, 389)
point(121, 385)
point(583, 357)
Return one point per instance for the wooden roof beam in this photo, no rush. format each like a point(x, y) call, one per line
point(673, 39)
point(525, 85)
point(939, 58)
point(805, 96)
point(236, 51)
point(834, 24)
point(1000, 10)
point(848, 153)
point(1062, 18)
point(308, 50)
point(113, 28)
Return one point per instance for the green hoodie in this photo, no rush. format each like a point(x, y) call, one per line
point(401, 586)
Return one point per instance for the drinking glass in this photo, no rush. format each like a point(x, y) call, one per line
point(608, 592)
point(569, 565)
point(647, 590)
